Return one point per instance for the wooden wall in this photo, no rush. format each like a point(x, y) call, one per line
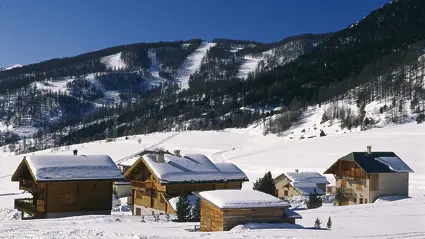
point(234, 217)
point(211, 217)
point(78, 196)
point(180, 189)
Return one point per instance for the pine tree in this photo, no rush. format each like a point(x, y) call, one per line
point(265, 184)
point(314, 200)
point(196, 211)
point(183, 209)
point(329, 224)
point(340, 196)
point(317, 223)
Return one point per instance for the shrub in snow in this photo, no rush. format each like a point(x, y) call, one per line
point(322, 133)
point(265, 184)
point(196, 211)
point(183, 209)
point(329, 224)
point(314, 201)
point(420, 118)
point(340, 196)
point(139, 140)
point(167, 216)
point(142, 218)
point(317, 223)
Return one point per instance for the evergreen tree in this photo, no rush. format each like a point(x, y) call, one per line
point(183, 209)
point(420, 118)
point(329, 224)
point(340, 196)
point(317, 223)
point(314, 200)
point(265, 184)
point(196, 211)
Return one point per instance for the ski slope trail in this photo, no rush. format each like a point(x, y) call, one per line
point(192, 64)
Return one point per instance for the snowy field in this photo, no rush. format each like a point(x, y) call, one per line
point(255, 154)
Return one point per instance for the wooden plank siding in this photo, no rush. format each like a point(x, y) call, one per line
point(234, 217)
point(78, 196)
point(211, 217)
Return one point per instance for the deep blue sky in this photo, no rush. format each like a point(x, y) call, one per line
point(33, 31)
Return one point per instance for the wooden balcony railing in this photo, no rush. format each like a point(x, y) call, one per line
point(26, 204)
point(138, 184)
point(350, 174)
point(28, 186)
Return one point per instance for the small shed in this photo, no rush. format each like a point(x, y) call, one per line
point(221, 210)
point(66, 185)
point(297, 183)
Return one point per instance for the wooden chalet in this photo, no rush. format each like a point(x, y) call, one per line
point(297, 183)
point(158, 177)
point(221, 210)
point(66, 185)
point(366, 176)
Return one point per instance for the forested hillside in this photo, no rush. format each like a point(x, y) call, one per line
point(133, 89)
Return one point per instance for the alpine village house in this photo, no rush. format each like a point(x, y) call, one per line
point(366, 176)
point(158, 178)
point(297, 183)
point(222, 210)
point(66, 185)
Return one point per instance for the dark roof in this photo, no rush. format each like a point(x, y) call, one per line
point(379, 162)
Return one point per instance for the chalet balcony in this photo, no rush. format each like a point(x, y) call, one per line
point(28, 186)
point(27, 205)
point(350, 174)
point(141, 185)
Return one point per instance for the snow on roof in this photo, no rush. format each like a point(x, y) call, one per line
point(305, 188)
point(395, 164)
point(73, 167)
point(130, 161)
point(192, 167)
point(312, 177)
point(190, 198)
point(232, 199)
point(288, 213)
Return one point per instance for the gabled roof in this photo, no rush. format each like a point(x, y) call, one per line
point(69, 168)
point(377, 162)
point(190, 168)
point(305, 182)
point(241, 199)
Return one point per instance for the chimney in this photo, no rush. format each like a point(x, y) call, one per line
point(369, 149)
point(177, 153)
point(75, 152)
point(296, 170)
point(160, 157)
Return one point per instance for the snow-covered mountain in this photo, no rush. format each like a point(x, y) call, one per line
point(357, 78)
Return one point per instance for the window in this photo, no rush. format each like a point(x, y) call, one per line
point(355, 200)
point(365, 201)
point(285, 193)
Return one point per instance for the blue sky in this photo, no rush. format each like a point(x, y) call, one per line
point(33, 31)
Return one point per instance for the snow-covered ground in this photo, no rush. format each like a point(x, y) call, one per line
point(192, 64)
point(114, 62)
point(255, 154)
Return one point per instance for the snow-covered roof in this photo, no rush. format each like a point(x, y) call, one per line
point(305, 188)
point(192, 167)
point(306, 177)
point(130, 161)
point(288, 213)
point(395, 164)
point(73, 167)
point(233, 199)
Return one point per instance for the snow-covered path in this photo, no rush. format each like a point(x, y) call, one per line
point(192, 64)
point(249, 65)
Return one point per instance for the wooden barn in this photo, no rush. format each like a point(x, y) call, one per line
point(157, 178)
point(66, 185)
point(221, 210)
point(297, 183)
